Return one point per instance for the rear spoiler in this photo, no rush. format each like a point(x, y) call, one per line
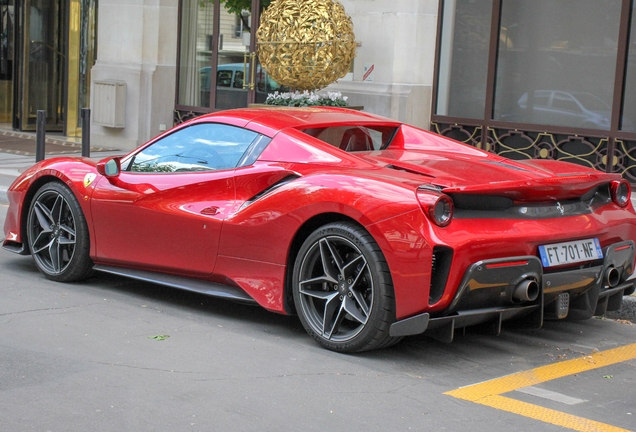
point(565, 186)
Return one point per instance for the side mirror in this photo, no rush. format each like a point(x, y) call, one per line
point(109, 167)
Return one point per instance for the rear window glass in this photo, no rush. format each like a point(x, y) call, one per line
point(354, 138)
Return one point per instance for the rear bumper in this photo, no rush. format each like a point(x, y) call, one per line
point(488, 294)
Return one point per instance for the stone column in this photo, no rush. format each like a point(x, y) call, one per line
point(396, 37)
point(137, 45)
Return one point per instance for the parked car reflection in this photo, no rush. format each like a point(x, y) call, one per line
point(576, 109)
point(230, 79)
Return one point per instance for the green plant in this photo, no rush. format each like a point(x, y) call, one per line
point(306, 98)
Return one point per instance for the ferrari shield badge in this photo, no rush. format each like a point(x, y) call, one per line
point(88, 179)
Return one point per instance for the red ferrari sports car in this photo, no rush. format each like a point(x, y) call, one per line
point(367, 228)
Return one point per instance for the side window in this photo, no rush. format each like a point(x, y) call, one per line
point(200, 147)
point(541, 99)
point(564, 102)
point(354, 138)
point(238, 80)
point(223, 78)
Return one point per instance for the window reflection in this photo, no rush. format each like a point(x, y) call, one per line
point(197, 19)
point(463, 65)
point(201, 147)
point(556, 62)
point(198, 45)
point(629, 103)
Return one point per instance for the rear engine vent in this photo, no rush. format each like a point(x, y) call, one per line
point(481, 202)
point(399, 168)
point(440, 267)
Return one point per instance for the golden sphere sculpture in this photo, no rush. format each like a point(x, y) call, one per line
point(305, 44)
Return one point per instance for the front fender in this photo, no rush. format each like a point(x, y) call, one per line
point(78, 174)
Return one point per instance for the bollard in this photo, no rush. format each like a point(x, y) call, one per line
point(86, 132)
point(40, 130)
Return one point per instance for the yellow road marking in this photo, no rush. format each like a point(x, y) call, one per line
point(488, 392)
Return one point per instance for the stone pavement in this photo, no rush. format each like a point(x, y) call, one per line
point(17, 153)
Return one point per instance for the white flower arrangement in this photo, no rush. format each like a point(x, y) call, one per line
point(306, 98)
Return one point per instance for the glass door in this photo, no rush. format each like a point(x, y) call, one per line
point(7, 46)
point(218, 67)
point(233, 60)
point(81, 56)
point(42, 64)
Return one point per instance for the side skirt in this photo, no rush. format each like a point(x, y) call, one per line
point(194, 285)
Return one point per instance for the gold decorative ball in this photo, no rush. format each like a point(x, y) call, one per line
point(306, 44)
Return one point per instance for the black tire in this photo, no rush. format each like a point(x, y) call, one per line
point(58, 235)
point(342, 289)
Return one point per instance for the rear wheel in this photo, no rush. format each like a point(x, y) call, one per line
point(58, 234)
point(342, 289)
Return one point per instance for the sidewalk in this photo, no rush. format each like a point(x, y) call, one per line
point(17, 153)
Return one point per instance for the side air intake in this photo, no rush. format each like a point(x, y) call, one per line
point(441, 262)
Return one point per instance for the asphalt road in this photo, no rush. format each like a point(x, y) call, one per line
point(89, 357)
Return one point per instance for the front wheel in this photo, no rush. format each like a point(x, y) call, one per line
point(342, 289)
point(58, 234)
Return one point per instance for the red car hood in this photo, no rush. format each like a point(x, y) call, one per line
point(493, 175)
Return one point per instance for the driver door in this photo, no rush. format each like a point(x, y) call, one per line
point(165, 210)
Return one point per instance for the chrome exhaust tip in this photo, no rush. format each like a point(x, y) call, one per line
point(612, 277)
point(526, 290)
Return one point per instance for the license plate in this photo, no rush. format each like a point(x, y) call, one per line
point(570, 252)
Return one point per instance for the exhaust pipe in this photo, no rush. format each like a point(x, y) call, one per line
point(527, 290)
point(612, 277)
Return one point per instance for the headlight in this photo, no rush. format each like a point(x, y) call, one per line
point(621, 192)
point(437, 206)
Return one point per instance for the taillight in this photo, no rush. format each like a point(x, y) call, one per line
point(438, 207)
point(621, 192)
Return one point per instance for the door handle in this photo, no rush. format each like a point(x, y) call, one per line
point(248, 80)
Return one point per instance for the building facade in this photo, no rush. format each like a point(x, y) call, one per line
point(540, 79)
point(47, 48)
point(164, 50)
point(522, 78)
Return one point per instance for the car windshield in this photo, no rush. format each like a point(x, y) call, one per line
point(200, 147)
point(354, 138)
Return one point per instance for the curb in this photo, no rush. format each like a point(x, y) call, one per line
point(627, 311)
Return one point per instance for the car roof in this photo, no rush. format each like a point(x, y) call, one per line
point(280, 118)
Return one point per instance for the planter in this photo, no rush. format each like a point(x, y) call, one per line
point(262, 105)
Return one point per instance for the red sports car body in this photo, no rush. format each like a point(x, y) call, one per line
point(369, 229)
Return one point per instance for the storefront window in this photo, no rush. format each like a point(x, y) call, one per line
point(86, 50)
point(7, 48)
point(197, 20)
point(629, 104)
point(234, 41)
point(463, 65)
point(556, 62)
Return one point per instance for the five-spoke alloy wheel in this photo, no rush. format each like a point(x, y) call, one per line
point(58, 235)
point(342, 289)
